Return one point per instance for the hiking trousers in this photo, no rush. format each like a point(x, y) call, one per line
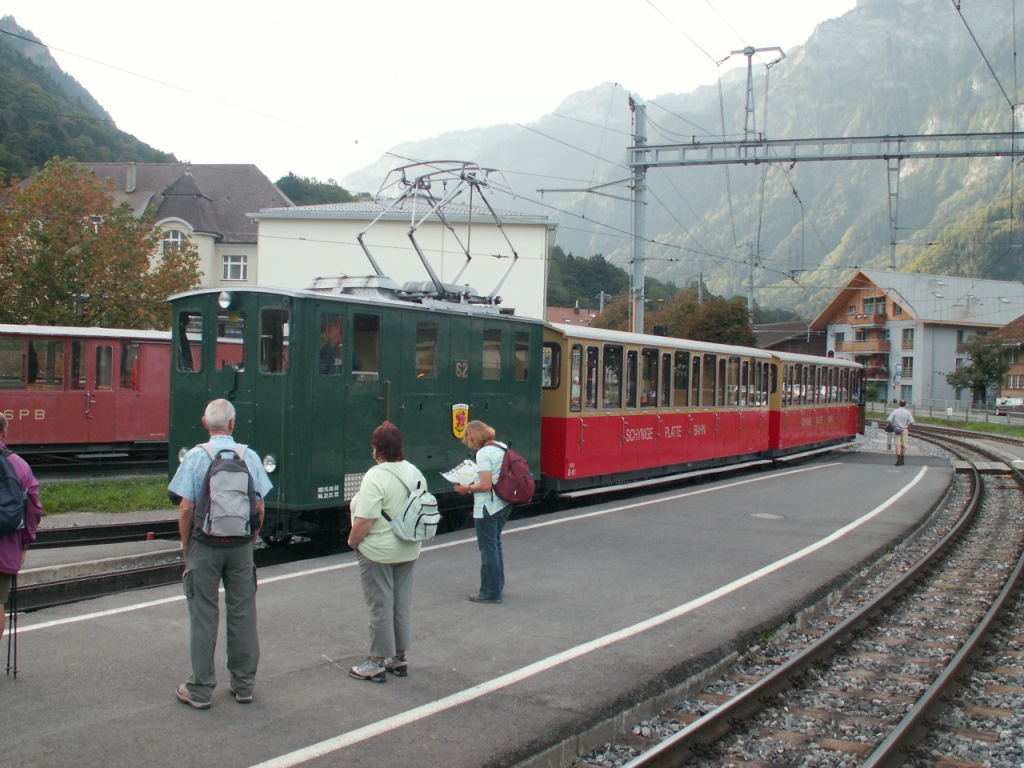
point(205, 568)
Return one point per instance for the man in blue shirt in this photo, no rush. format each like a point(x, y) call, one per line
point(206, 566)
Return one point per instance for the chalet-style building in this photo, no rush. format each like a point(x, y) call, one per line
point(906, 329)
point(208, 204)
point(1012, 335)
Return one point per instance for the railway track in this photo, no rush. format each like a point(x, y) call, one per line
point(866, 684)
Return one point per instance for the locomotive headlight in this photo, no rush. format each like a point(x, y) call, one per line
point(270, 463)
point(225, 299)
point(181, 454)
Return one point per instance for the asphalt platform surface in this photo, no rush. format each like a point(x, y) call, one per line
point(605, 607)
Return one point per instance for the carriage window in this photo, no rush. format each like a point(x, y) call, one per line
point(104, 368)
point(76, 376)
point(732, 378)
point(230, 341)
point(590, 392)
point(274, 341)
point(666, 379)
point(707, 395)
point(648, 378)
point(682, 379)
point(331, 360)
point(189, 358)
point(773, 379)
point(745, 393)
point(365, 346)
point(813, 380)
point(551, 367)
point(612, 378)
point(12, 364)
point(130, 365)
point(426, 350)
point(522, 356)
point(45, 364)
point(576, 378)
point(695, 382)
point(787, 385)
point(492, 355)
point(631, 374)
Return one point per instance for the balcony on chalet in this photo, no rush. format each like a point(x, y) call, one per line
point(864, 321)
point(863, 347)
point(876, 373)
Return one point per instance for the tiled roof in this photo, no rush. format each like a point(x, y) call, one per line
point(570, 315)
point(213, 199)
point(1012, 332)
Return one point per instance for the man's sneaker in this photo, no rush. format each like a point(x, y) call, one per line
point(241, 698)
point(185, 697)
point(481, 599)
point(397, 665)
point(371, 670)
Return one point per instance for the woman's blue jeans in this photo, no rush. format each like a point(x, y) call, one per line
point(492, 563)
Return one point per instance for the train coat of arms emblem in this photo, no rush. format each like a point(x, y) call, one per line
point(460, 418)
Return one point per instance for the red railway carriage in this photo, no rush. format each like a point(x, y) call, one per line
point(620, 407)
point(814, 404)
point(84, 391)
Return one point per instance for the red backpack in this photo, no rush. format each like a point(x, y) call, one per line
point(515, 482)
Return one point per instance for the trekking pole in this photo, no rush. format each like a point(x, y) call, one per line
point(12, 628)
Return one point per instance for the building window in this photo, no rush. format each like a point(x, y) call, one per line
point(897, 310)
point(908, 366)
point(235, 268)
point(840, 337)
point(908, 338)
point(172, 240)
point(852, 310)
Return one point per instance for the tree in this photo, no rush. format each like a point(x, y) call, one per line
point(303, 190)
point(989, 364)
point(76, 258)
point(721, 321)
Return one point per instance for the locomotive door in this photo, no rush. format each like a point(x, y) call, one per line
point(369, 384)
point(93, 363)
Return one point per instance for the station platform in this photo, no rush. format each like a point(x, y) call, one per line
point(606, 607)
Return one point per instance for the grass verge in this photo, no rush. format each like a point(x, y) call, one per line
point(105, 495)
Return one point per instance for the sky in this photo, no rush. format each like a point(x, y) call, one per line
point(324, 89)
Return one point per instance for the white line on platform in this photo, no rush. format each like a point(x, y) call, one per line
point(343, 740)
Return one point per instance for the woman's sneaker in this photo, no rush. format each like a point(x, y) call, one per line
point(397, 665)
point(371, 670)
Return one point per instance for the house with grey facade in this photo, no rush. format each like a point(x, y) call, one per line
point(906, 329)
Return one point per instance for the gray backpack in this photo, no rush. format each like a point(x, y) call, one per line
point(418, 518)
point(225, 514)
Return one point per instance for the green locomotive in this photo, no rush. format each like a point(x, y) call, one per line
point(312, 372)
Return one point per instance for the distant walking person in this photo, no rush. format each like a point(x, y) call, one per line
point(901, 419)
point(209, 560)
point(385, 561)
point(14, 546)
point(489, 512)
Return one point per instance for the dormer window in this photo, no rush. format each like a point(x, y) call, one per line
point(172, 240)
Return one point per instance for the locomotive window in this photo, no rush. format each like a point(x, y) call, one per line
point(104, 368)
point(130, 365)
point(189, 359)
point(576, 378)
point(426, 350)
point(331, 359)
point(230, 351)
point(274, 341)
point(590, 393)
point(631, 374)
point(76, 376)
point(666, 379)
point(522, 356)
point(551, 368)
point(707, 385)
point(648, 378)
point(365, 347)
point(492, 355)
point(732, 390)
point(611, 380)
point(682, 379)
point(45, 364)
point(12, 364)
point(695, 382)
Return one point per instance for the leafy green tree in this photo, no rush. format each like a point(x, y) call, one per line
point(989, 364)
point(72, 257)
point(724, 321)
point(303, 190)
